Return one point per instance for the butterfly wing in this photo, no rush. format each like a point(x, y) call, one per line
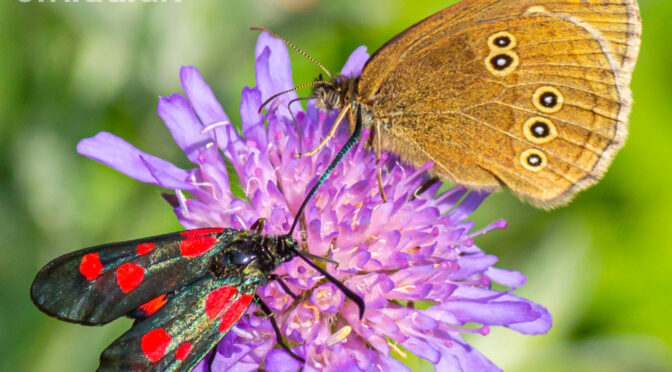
point(180, 334)
point(542, 114)
point(99, 284)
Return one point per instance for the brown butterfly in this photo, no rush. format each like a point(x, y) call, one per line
point(529, 94)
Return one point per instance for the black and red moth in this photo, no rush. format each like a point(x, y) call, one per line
point(185, 290)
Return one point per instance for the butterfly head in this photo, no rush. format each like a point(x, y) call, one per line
point(334, 94)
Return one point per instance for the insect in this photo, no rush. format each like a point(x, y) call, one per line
point(185, 291)
point(532, 95)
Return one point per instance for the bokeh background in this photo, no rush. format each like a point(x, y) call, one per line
point(68, 70)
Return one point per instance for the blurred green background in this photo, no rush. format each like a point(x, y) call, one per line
point(602, 265)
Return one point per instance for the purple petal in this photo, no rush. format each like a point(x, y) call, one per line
point(464, 358)
point(253, 126)
point(506, 277)
point(202, 366)
point(280, 361)
point(387, 363)
point(165, 179)
point(183, 125)
point(491, 313)
point(201, 97)
point(471, 265)
point(353, 67)
point(421, 349)
point(118, 154)
point(274, 72)
point(204, 101)
point(468, 205)
point(536, 327)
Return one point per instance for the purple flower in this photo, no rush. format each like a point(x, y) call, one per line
point(393, 254)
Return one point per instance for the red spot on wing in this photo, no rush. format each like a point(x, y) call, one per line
point(129, 276)
point(144, 248)
point(234, 312)
point(194, 246)
point(90, 266)
point(201, 232)
point(150, 307)
point(217, 301)
point(155, 343)
point(183, 351)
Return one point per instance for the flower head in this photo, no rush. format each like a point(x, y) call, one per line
point(394, 254)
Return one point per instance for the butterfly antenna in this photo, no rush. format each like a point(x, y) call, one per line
point(291, 90)
point(258, 28)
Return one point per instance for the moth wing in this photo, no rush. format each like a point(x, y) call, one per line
point(99, 284)
point(180, 334)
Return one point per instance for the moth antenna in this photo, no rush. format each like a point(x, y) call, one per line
point(258, 28)
point(290, 90)
point(354, 137)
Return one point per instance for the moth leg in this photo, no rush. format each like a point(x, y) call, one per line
point(211, 358)
point(348, 293)
point(423, 187)
point(278, 335)
point(258, 226)
point(284, 286)
point(332, 132)
point(378, 149)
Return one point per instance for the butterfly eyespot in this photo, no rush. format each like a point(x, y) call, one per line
point(539, 130)
point(501, 41)
point(501, 63)
point(548, 100)
point(533, 160)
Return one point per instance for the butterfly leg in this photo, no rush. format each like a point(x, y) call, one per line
point(332, 132)
point(423, 187)
point(278, 335)
point(378, 149)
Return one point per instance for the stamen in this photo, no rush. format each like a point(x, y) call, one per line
point(183, 202)
point(242, 333)
point(401, 167)
point(339, 336)
point(214, 125)
point(247, 187)
point(406, 288)
point(203, 184)
point(499, 224)
point(242, 223)
point(396, 348)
